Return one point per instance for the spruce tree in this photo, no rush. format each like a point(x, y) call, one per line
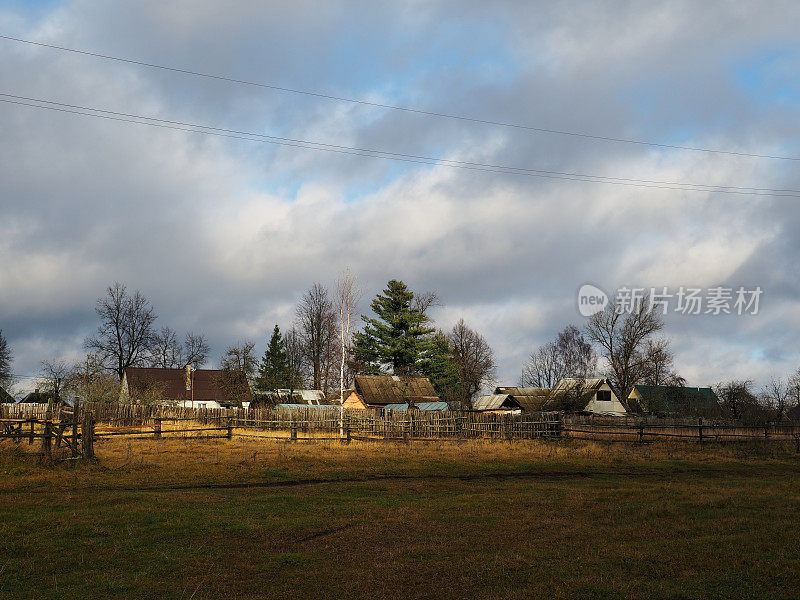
point(397, 337)
point(273, 373)
point(439, 366)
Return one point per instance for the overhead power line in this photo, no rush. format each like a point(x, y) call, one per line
point(407, 109)
point(372, 153)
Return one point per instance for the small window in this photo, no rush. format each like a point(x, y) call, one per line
point(604, 396)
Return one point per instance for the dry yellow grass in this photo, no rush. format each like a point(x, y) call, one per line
point(181, 518)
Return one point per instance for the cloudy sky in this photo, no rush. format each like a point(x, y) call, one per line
point(223, 235)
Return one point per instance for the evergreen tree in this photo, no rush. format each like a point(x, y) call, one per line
point(5, 359)
point(397, 337)
point(274, 372)
point(439, 366)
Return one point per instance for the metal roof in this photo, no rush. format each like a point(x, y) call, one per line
point(495, 402)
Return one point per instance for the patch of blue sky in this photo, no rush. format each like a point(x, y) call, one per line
point(34, 8)
point(770, 76)
point(393, 67)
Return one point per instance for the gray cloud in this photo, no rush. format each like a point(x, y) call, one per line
point(223, 235)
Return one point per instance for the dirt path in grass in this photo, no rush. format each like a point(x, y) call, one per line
point(628, 472)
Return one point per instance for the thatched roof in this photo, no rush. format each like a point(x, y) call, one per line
point(530, 399)
point(380, 390)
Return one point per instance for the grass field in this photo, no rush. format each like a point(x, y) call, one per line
point(255, 519)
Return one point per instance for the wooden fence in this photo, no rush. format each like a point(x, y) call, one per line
point(643, 429)
point(322, 422)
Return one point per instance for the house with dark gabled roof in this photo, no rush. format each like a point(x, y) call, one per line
point(189, 388)
point(592, 395)
point(378, 391)
point(675, 400)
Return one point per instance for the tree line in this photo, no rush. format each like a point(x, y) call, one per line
point(627, 348)
point(323, 349)
point(398, 337)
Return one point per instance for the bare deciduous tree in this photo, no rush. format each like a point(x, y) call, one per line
point(778, 395)
point(570, 355)
point(295, 357)
point(315, 316)
point(544, 368)
point(165, 350)
point(238, 367)
point(425, 301)
point(474, 358)
point(126, 329)
point(623, 339)
point(91, 382)
point(738, 399)
point(348, 295)
point(54, 376)
point(660, 364)
point(195, 350)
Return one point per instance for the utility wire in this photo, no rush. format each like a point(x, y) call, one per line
point(411, 158)
point(401, 108)
point(372, 151)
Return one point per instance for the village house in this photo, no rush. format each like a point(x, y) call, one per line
point(529, 399)
point(594, 395)
point(379, 391)
point(188, 388)
point(675, 400)
point(512, 400)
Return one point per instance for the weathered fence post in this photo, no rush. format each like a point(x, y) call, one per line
point(348, 435)
point(33, 425)
point(641, 433)
point(293, 432)
point(75, 412)
point(700, 429)
point(157, 428)
point(87, 435)
point(47, 441)
point(229, 435)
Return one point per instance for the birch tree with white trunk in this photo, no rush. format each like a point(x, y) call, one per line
point(348, 295)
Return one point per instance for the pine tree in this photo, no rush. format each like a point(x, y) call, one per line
point(397, 337)
point(439, 366)
point(273, 373)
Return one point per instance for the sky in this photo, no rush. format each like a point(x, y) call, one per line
point(224, 235)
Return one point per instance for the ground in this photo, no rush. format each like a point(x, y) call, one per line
point(266, 519)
